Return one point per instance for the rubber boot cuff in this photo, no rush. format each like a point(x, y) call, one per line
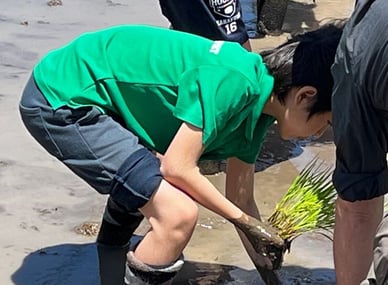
point(139, 273)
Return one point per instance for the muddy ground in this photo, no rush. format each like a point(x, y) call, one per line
point(42, 203)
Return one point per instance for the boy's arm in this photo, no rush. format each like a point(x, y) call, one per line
point(240, 190)
point(179, 167)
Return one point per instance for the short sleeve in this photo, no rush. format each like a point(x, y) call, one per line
point(361, 143)
point(211, 98)
point(360, 105)
point(361, 171)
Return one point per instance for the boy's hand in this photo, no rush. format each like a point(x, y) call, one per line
point(264, 239)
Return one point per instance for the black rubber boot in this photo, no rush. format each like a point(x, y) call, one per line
point(111, 261)
point(116, 229)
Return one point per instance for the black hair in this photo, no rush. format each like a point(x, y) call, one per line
point(306, 59)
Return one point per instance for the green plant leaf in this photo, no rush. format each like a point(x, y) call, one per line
point(308, 205)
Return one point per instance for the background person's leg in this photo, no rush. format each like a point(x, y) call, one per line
point(249, 14)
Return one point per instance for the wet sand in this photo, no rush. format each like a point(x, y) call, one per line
point(43, 203)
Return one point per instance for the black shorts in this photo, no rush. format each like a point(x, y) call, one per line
point(213, 19)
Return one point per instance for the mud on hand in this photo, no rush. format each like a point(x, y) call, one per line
point(263, 238)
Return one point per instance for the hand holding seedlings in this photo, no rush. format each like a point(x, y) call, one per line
point(263, 238)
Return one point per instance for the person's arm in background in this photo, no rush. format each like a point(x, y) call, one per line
point(359, 101)
point(355, 228)
point(360, 180)
point(207, 19)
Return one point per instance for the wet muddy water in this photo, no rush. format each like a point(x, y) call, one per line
point(43, 201)
point(215, 254)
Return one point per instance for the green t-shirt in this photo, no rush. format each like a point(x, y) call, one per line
point(155, 78)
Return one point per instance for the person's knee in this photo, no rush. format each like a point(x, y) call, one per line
point(185, 219)
point(181, 222)
point(171, 213)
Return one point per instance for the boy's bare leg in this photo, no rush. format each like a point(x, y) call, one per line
point(172, 216)
point(158, 257)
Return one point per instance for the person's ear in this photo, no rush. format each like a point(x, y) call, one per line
point(305, 95)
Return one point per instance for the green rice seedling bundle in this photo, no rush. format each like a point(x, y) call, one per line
point(308, 205)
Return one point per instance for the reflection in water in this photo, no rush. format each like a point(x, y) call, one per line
point(274, 151)
point(197, 273)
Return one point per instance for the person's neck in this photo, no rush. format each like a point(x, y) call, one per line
point(273, 107)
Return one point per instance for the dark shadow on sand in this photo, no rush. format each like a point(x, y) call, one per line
point(76, 264)
point(64, 264)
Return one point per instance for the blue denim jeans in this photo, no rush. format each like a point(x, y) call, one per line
point(249, 15)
